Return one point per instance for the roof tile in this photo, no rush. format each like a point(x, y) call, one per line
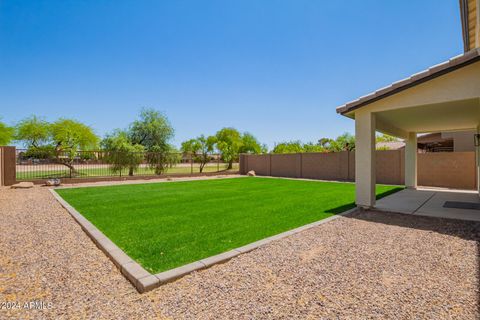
point(436, 70)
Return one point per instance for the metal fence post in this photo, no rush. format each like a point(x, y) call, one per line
point(191, 163)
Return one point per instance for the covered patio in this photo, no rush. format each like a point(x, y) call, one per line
point(433, 202)
point(443, 98)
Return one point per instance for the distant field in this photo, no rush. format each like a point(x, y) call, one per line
point(32, 172)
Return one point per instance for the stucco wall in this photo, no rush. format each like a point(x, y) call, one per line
point(446, 169)
point(261, 164)
point(390, 166)
point(285, 165)
point(333, 166)
point(7, 166)
point(463, 141)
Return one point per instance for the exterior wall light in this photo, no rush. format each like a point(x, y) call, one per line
point(477, 139)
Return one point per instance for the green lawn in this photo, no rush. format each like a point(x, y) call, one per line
point(166, 225)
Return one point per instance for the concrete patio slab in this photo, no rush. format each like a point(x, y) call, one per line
point(434, 207)
point(405, 201)
point(429, 202)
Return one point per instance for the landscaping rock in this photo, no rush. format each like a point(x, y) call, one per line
point(251, 173)
point(53, 182)
point(369, 265)
point(23, 185)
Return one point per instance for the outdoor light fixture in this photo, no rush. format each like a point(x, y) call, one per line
point(477, 139)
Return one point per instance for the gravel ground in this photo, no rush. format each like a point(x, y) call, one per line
point(368, 265)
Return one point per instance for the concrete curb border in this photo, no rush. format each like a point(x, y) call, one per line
point(143, 280)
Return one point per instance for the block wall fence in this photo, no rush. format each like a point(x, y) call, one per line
point(7, 166)
point(439, 169)
point(442, 169)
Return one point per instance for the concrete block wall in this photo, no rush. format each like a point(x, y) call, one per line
point(286, 165)
point(326, 166)
point(446, 169)
point(390, 166)
point(7, 166)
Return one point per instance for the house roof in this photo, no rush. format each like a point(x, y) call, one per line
point(432, 137)
point(453, 64)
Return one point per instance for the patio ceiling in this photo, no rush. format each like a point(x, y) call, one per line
point(447, 116)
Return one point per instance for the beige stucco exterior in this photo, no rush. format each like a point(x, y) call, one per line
point(453, 99)
point(411, 161)
point(477, 155)
point(462, 140)
point(450, 102)
point(443, 98)
point(365, 158)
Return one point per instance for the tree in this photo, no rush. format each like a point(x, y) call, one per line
point(288, 147)
point(229, 142)
point(60, 140)
point(161, 158)
point(121, 153)
point(250, 144)
point(70, 136)
point(386, 138)
point(6, 134)
point(33, 131)
point(150, 134)
point(174, 156)
point(326, 143)
point(200, 148)
point(310, 147)
point(154, 132)
point(345, 142)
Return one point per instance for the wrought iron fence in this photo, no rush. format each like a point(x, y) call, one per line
point(89, 164)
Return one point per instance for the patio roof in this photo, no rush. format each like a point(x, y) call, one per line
point(445, 97)
point(438, 70)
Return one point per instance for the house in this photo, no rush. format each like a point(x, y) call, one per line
point(444, 98)
point(460, 141)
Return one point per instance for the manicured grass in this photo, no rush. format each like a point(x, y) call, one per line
point(166, 225)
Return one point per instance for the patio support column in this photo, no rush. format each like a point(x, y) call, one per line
point(411, 161)
point(365, 159)
point(477, 157)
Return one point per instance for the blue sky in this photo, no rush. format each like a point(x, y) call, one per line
point(275, 68)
